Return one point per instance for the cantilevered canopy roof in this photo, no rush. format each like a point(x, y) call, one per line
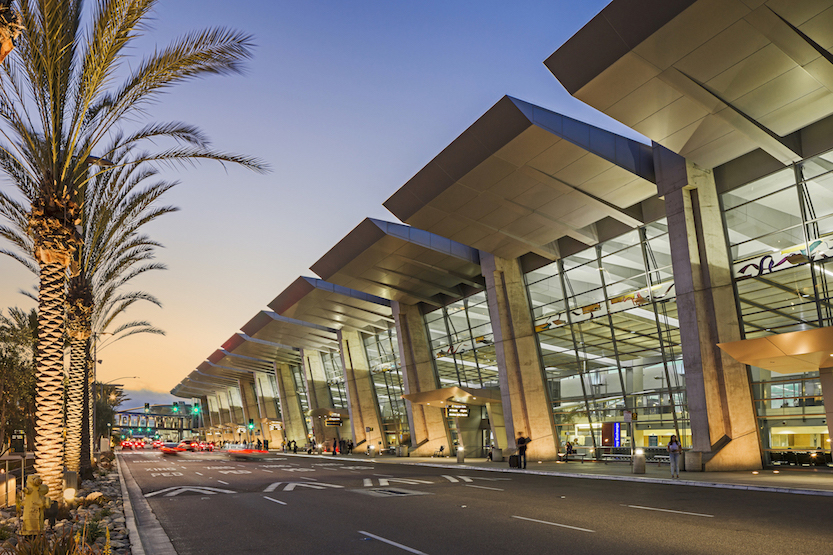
point(786, 353)
point(326, 304)
point(402, 263)
point(522, 177)
point(455, 394)
point(289, 332)
point(708, 79)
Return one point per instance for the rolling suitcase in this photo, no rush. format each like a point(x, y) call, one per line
point(514, 461)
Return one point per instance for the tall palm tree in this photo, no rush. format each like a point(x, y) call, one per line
point(58, 103)
point(113, 253)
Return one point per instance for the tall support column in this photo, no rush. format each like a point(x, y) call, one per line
point(826, 379)
point(293, 416)
point(429, 427)
point(318, 392)
point(365, 416)
point(723, 424)
point(527, 407)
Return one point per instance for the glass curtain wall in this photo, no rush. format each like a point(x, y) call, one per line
point(301, 389)
point(335, 378)
point(462, 343)
point(607, 329)
point(780, 232)
point(383, 359)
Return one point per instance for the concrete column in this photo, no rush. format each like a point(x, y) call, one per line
point(318, 392)
point(497, 424)
point(429, 427)
point(293, 416)
point(365, 416)
point(826, 379)
point(523, 385)
point(723, 423)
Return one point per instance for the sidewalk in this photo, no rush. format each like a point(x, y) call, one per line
point(796, 481)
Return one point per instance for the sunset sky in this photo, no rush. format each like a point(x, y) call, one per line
point(345, 101)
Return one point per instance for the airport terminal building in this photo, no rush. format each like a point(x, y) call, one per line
point(549, 278)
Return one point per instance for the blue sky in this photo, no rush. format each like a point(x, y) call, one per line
point(346, 101)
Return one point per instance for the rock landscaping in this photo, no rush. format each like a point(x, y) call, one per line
point(94, 522)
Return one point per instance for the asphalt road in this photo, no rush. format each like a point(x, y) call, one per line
point(286, 504)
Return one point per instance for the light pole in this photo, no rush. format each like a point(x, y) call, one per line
point(94, 436)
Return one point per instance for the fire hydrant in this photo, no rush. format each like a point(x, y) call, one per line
point(34, 502)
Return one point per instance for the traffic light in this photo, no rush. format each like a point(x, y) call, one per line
point(251, 424)
point(196, 408)
point(176, 407)
point(147, 408)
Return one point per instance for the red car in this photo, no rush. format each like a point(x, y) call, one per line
point(157, 444)
point(189, 445)
point(171, 448)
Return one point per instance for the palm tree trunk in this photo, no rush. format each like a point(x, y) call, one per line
point(50, 374)
point(87, 419)
point(75, 404)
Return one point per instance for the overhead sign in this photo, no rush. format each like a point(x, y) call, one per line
point(333, 420)
point(457, 411)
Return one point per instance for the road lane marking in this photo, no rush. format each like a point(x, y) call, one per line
point(269, 471)
point(554, 524)
point(450, 478)
point(368, 482)
point(222, 482)
point(176, 490)
point(200, 473)
point(409, 481)
point(669, 511)
point(274, 500)
point(393, 543)
point(483, 487)
point(290, 486)
point(384, 475)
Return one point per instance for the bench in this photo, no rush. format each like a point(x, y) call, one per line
point(616, 458)
point(566, 458)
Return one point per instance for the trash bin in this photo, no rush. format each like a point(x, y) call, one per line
point(639, 462)
point(497, 454)
point(461, 454)
point(402, 451)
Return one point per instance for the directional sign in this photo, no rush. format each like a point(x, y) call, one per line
point(290, 486)
point(456, 410)
point(176, 490)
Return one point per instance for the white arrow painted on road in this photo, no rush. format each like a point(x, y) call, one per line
point(290, 486)
point(176, 490)
point(387, 481)
point(235, 472)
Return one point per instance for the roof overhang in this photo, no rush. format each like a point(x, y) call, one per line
point(522, 177)
point(785, 353)
point(327, 304)
point(455, 394)
point(402, 263)
point(709, 79)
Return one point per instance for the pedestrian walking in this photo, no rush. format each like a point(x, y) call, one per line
point(259, 444)
point(294, 447)
point(674, 450)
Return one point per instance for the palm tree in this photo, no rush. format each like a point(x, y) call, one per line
point(58, 103)
point(113, 253)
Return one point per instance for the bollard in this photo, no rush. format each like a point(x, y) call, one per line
point(639, 462)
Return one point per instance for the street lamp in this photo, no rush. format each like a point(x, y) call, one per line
point(94, 434)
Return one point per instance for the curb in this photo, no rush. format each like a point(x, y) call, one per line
point(142, 523)
point(665, 481)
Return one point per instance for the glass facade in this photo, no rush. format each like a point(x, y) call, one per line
point(780, 231)
point(383, 359)
point(301, 389)
point(335, 379)
point(607, 329)
point(462, 343)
